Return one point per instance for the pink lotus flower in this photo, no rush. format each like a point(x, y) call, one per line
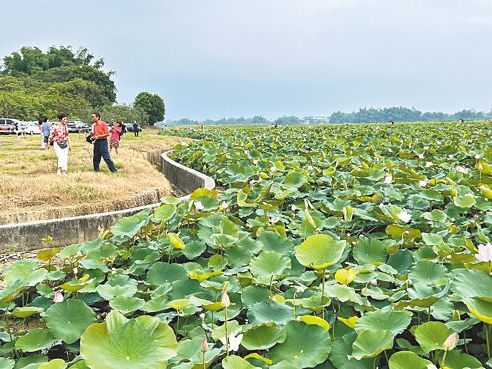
point(58, 297)
point(204, 345)
point(450, 342)
point(226, 302)
point(484, 253)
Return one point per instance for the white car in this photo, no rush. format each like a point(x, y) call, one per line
point(30, 128)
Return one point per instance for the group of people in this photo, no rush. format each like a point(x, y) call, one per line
point(57, 135)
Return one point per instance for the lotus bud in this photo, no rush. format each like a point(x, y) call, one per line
point(226, 302)
point(456, 315)
point(450, 342)
point(58, 297)
point(204, 345)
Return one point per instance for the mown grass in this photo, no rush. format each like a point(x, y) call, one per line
point(30, 189)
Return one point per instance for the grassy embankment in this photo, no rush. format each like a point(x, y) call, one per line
point(30, 189)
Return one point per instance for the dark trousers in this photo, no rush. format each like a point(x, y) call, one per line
point(101, 150)
point(135, 132)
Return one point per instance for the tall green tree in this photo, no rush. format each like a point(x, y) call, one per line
point(152, 105)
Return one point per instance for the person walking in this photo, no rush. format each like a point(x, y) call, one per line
point(116, 133)
point(61, 143)
point(135, 128)
point(45, 132)
point(100, 134)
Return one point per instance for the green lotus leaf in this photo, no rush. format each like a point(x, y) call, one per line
point(129, 226)
point(31, 361)
point(320, 251)
point(270, 313)
point(141, 343)
point(295, 179)
point(393, 321)
point(407, 360)
point(236, 362)
point(262, 337)
point(399, 232)
point(160, 273)
point(431, 335)
point(164, 212)
point(6, 363)
point(464, 201)
point(272, 241)
point(119, 285)
point(79, 365)
point(35, 340)
point(428, 272)
point(254, 294)
point(26, 311)
point(269, 265)
point(126, 305)
point(27, 272)
point(369, 251)
point(342, 293)
point(341, 348)
point(369, 344)
point(480, 309)
point(456, 360)
point(67, 320)
point(53, 364)
point(298, 348)
point(11, 291)
point(472, 283)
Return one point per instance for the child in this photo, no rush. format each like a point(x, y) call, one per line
point(116, 133)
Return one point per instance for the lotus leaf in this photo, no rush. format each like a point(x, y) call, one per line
point(393, 321)
point(320, 251)
point(35, 340)
point(431, 335)
point(67, 320)
point(141, 343)
point(262, 337)
point(236, 362)
point(371, 343)
point(407, 360)
point(298, 348)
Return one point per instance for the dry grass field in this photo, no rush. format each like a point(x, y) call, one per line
point(30, 189)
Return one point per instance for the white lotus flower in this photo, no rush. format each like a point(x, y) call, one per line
point(198, 205)
point(234, 341)
point(404, 216)
point(484, 253)
point(273, 169)
point(388, 178)
point(423, 183)
point(461, 169)
point(429, 164)
point(477, 156)
point(224, 205)
point(293, 208)
point(421, 156)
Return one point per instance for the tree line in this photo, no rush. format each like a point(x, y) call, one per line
point(365, 115)
point(36, 83)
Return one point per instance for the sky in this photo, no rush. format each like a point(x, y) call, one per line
point(231, 58)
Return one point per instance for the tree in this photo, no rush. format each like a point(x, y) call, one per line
point(152, 105)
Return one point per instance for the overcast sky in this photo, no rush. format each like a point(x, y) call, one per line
point(224, 58)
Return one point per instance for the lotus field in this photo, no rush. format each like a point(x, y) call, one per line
point(347, 247)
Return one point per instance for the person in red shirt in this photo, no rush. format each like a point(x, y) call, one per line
point(100, 134)
point(116, 133)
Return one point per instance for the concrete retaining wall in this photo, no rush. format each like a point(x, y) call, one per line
point(66, 231)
